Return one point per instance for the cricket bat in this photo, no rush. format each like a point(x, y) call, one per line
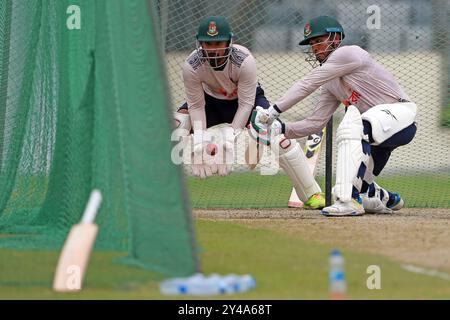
point(312, 151)
point(75, 254)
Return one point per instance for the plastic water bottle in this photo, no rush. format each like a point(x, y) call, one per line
point(229, 284)
point(174, 286)
point(201, 285)
point(196, 284)
point(235, 284)
point(214, 284)
point(247, 282)
point(337, 282)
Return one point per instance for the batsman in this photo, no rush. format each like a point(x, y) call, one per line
point(379, 117)
point(221, 87)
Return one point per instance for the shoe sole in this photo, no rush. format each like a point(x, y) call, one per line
point(398, 206)
point(349, 214)
point(313, 208)
point(388, 211)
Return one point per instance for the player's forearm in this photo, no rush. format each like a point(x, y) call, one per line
point(241, 117)
point(303, 128)
point(337, 66)
point(295, 94)
point(246, 93)
point(198, 118)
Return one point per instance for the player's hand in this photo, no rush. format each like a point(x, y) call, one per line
point(264, 133)
point(225, 156)
point(266, 116)
point(274, 113)
point(276, 128)
point(258, 125)
point(261, 121)
point(203, 155)
point(261, 116)
point(203, 165)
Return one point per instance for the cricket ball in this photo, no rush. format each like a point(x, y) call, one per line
point(211, 149)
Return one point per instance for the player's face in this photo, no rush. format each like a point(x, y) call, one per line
point(216, 52)
point(320, 47)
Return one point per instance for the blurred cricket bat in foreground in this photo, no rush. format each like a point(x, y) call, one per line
point(312, 150)
point(77, 249)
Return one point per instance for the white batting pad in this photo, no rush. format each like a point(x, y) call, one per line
point(349, 135)
point(293, 161)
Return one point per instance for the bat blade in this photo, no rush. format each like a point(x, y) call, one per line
point(253, 154)
point(74, 258)
point(312, 149)
point(294, 201)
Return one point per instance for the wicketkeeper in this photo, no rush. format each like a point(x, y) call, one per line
point(221, 86)
point(379, 118)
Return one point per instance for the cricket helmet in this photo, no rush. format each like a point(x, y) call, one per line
point(214, 28)
point(321, 26)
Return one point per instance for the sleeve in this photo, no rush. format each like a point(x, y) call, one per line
point(246, 92)
point(341, 62)
point(322, 113)
point(195, 97)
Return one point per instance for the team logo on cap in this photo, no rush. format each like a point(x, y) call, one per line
point(212, 29)
point(307, 31)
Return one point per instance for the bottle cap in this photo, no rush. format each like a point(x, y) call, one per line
point(336, 252)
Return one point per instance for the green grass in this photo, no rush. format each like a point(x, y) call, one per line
point(252, 190)
point(285, 267)
point(27, 273)
point(445, 116)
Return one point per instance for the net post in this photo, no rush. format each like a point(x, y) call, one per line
point(329, 161)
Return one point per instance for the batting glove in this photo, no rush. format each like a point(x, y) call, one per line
point(277, 127)
point(266, 116)
point(258, 130)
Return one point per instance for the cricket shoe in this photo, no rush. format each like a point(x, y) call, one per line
point(398, 202)
point(341, 209)
point(379, 203)
point(315, 202)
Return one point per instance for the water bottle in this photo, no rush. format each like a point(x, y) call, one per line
point(214, 284)
point(201, 285)
point(337, 283)
point(174, 286)
point(228, 284)
point(235, 284)
point(247, 282)
point(196, 284)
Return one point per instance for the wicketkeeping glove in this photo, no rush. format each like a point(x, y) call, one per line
point(225, 157)
point(203, 163)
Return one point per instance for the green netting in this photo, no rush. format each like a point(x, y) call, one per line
point(445, 119)
point(411, 41)
point(84, 108)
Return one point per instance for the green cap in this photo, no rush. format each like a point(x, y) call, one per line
point(320, 26)
point(214, 28)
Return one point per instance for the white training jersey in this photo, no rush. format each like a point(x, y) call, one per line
point(349, 76)
point(237, 80)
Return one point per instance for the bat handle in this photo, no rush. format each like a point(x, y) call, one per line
point(94, 203)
